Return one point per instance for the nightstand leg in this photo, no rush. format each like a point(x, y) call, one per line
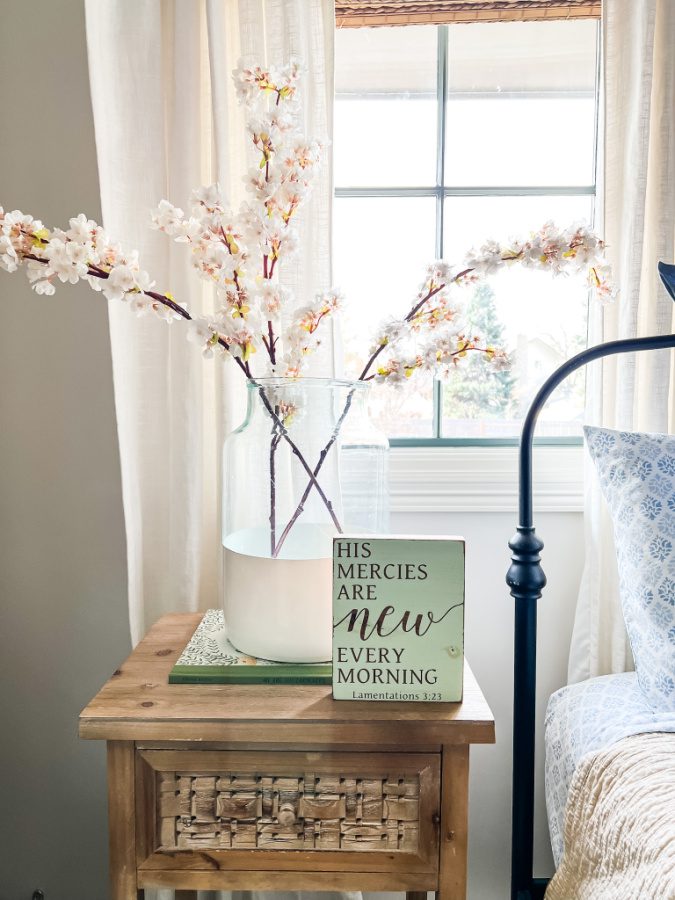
point(415, 895)
point(122, 821)
point(454, 822)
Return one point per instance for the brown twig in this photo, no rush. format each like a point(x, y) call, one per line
point(301, 459)
point(272, 341)
point(274, 443)
point(317, 469)
point(418, 306)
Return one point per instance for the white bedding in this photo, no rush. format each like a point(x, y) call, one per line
point(582, 719)
point(620, 824)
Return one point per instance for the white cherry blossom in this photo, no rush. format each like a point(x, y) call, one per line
point(203, 333)
point(120, 281)
point(167, 217)
point(9, 259)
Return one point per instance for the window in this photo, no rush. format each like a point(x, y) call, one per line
point(446, 136)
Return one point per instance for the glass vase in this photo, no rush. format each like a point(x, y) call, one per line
point(306, 464)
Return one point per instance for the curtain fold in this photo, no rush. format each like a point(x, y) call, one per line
point(167, 121)
point(153, 139)
point(629, 391)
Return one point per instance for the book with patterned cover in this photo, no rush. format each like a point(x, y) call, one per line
point(209, 658)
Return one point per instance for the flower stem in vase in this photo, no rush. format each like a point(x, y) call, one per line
point(303, 462)
point(317, 469)
point(274, 443)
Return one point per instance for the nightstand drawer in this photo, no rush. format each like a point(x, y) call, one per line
point(213, 810)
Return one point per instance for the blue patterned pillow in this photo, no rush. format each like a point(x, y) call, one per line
point(637, 476)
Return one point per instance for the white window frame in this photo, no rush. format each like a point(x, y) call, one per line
point(483, 479)
point(438, 474)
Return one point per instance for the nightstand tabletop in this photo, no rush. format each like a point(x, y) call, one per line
point(137, 703)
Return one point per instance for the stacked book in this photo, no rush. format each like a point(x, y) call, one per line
point(209, 658)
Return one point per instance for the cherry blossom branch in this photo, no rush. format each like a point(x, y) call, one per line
point(452, 356)
point(410, 316)
point(418, 306)
point(413, 311)
point(126, 287)
point(364, 376)
point(96, 272)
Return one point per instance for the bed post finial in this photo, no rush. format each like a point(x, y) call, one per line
point(525, 576)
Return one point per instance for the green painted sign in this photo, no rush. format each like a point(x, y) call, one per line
point(398, 618)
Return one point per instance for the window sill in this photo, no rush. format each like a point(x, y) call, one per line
point(483, 479)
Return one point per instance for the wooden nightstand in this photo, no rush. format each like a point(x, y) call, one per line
point(279, 787)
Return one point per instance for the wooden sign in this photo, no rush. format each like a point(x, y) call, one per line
point(398, 618)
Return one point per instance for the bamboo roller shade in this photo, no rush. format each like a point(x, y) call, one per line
point(369, 13)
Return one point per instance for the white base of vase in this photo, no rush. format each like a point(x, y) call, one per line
point(279, 609)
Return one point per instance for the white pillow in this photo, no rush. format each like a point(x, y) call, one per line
point(637, 476)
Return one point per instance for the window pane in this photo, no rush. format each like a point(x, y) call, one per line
point(470, 221)
point(538, 319)
point(385, 107)
point(382, 246)
point(521, 103)
point(406, 411)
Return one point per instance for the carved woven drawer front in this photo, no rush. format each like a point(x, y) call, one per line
point(352, 807)
point(311, 811)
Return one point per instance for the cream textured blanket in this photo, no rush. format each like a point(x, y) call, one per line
point(620, 824)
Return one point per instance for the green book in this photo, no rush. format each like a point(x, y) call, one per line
point(209, 658)
point(398, 618)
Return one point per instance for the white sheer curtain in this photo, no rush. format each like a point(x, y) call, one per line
point(629, 391)
point(167, 121)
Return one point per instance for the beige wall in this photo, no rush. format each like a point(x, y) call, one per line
point(63, 616)
point(63, 625)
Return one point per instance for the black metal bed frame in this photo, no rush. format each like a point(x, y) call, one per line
point(526, 580)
